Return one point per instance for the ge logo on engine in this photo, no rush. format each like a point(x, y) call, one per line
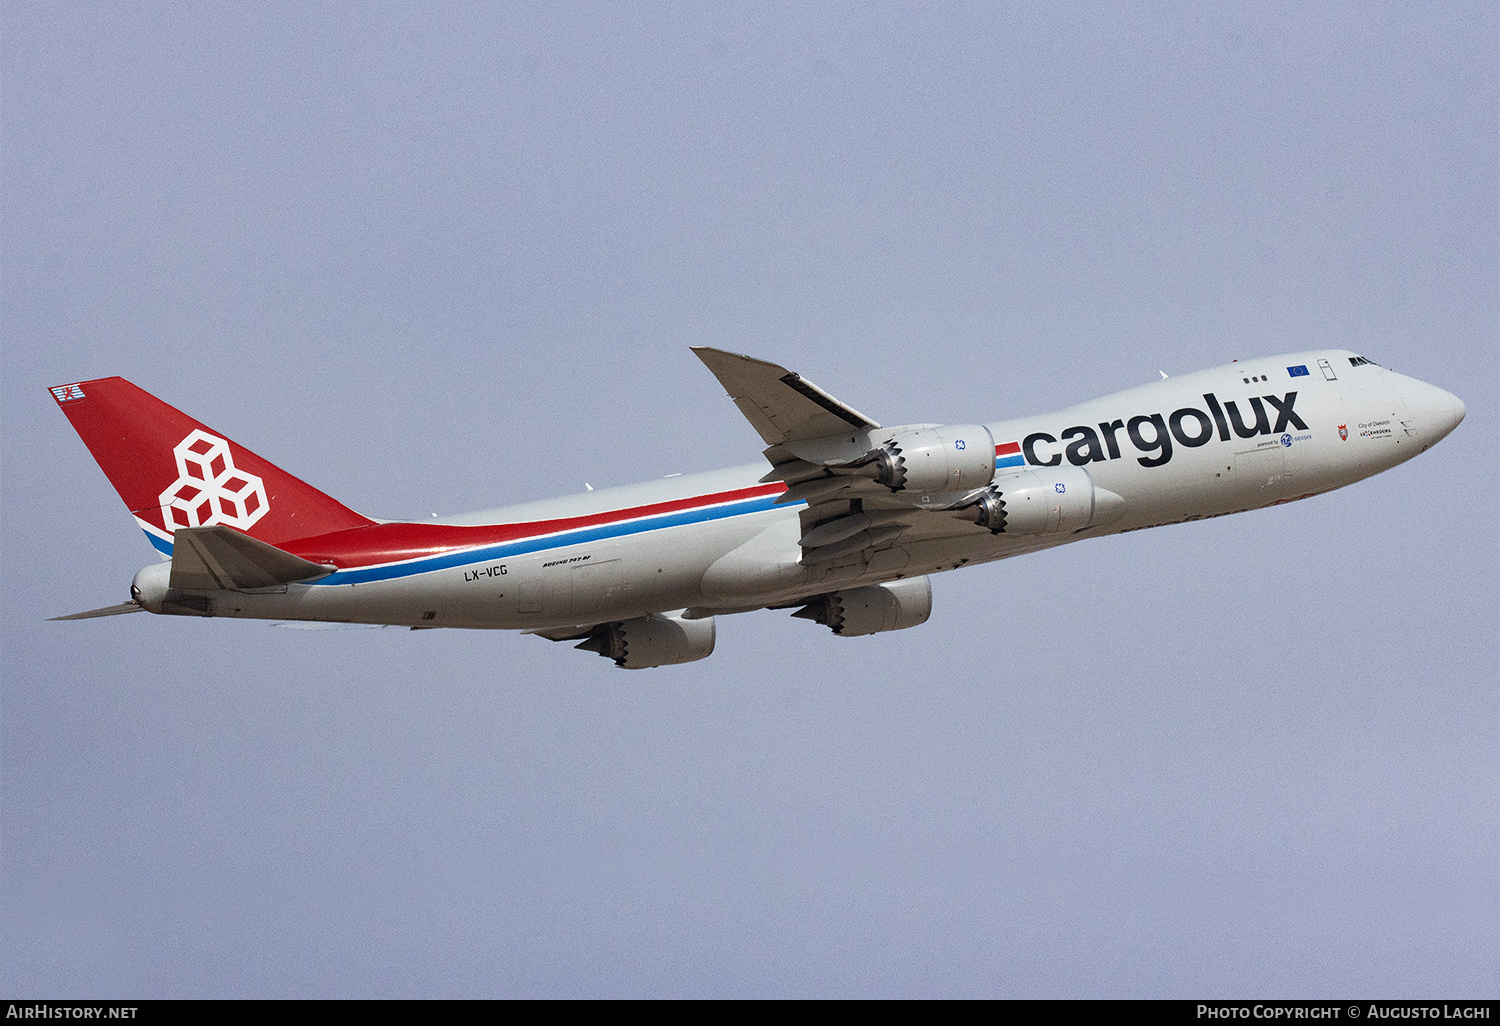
point(209, 489)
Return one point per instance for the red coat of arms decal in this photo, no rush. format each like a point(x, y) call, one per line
point(1343, 432)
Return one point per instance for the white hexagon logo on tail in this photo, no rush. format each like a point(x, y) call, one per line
point(209, 489)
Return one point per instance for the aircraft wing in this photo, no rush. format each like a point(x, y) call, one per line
point(780, 404)
point(574, 633)
point(219, 557)
point(822, 449)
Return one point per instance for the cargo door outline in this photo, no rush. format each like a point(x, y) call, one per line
point(596, 585)
point(545, 589)
point(1260, 472)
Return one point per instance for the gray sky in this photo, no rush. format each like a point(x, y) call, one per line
point(440, 257)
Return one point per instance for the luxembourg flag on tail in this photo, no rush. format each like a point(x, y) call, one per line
point(1009, 455)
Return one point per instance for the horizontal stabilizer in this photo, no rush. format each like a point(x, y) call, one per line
point(781, 405)
point(219, 557)
point(115, 610)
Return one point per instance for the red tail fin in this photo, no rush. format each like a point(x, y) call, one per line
point(173, 472)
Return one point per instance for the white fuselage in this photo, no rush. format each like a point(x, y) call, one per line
point(1200, 445)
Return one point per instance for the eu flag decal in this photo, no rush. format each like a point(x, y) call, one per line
point(1299, 371)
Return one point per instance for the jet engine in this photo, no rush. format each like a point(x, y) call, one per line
point(657, 639)
point(949, 458)
point(1045, 500)
point(892, 606)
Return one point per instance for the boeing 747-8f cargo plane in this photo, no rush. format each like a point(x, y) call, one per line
point(845, 526)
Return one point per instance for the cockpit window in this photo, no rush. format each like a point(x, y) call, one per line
point(1360, 361)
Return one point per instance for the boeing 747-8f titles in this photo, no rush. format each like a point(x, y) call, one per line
point(844, 522)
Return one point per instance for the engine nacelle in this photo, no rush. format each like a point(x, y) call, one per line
point(657, 639)
point(1044, 500)
point(893, 606)
point(949, 458)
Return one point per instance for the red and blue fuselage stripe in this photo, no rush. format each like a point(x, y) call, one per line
point(392, 551)
point(615, 524)
point(1009, 455)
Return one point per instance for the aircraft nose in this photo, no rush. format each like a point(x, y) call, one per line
point(1436, 411)
point(1458, 410)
